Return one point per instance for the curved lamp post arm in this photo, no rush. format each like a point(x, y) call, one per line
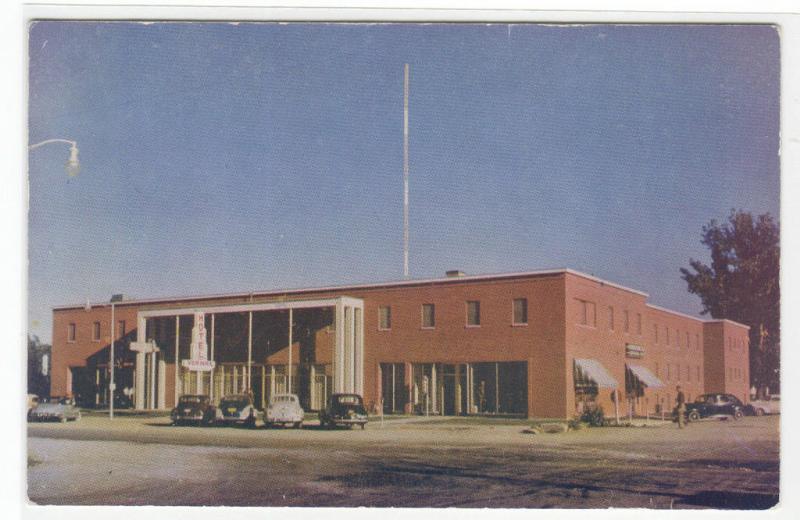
point(73, 166)
point(37, 145)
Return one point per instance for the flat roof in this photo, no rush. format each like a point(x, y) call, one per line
point(395, 283)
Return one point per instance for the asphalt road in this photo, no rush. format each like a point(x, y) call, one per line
point(418, 463)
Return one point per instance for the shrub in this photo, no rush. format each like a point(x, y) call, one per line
point(593, 416)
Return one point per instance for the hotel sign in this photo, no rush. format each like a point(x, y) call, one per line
point(634, 351)
point(199, 349)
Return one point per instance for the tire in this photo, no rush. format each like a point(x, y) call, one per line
point(759, 412)
point(694, 415)
point(62, 419)
point(297, 425)
point(738, 414)
point(363, 425)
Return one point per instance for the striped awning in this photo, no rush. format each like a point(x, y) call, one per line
point(596, 372)
point(645, 376)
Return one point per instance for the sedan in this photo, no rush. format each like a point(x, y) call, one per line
point(237, 409)
point(770, 405)
point(284, 409)
point(60, 409)
point(346, 409)
point(717, 405)
point(193, 409)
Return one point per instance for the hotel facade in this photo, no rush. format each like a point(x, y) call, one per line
point(538, 344)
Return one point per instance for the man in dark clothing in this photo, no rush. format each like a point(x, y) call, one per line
point(680, 401)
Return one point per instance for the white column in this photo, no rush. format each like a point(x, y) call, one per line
point(141, 336)
point(211, 378)
point(338, 349)
point(249, 350)
point(177, 359)
point(433, 389)
point(358, 348)
point(152, 400)
point(291, 340)
point(162, 383)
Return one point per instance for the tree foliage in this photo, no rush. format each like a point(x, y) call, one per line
point(743, 284)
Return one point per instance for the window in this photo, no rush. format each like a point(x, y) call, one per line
point(697, 372)
point(521, 311)
point(666, 331)
point(428, 316)
point(71, 332)
point(473, 313)
point(688, 373)
point(655, 331)
point(384, 317)
point(121, 328)
point(697, 341)
point(668, 374)
point(687, 341)
point(657, 370)
point(677, 372)
point(677, 338)
point(638, 324)
point(96, 331)
point(626, 321)
point(610, 318)
point(587, 313)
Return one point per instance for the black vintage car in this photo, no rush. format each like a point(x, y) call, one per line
point(194, 409)
point(346, 409)
point(716, 405)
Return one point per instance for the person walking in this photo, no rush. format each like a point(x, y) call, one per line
point(680, 401)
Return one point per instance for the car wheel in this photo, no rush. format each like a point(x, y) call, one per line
point(363, 425)
point(77, 417)
point(694, 415)
point(62, 419)
point(759, 412)
point(297, 425)
point(738, 414)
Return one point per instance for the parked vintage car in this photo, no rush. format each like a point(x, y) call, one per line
point(716, 405)
point(193, 409)
point(284, 409)
point(770, 405)
point(237, 409)
point(345, 409)
point(61, 409)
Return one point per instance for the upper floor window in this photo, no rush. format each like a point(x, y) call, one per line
point(428, 316)
point(96, 331)
point(697, 372)
point(71, 332)
point(655, 332)
point(587, 313)
point(638, 324)
point(121, 328)
point(697, 341)
point(384, 317)
point(666, 332)
point(473, 313)
point(520, 311)
point(610, 317)
point(626, 321)
point(687, 341)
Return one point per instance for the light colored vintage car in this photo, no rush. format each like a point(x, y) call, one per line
point(237, 409)
point(768, 406)
point(284, 409)
point(60, 409)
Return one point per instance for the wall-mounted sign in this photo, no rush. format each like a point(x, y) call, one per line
point(634, 351)
point(199, 348)
point(144, 347)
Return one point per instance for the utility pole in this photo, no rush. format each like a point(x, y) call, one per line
point(405, 172)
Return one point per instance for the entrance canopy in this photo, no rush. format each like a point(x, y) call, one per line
point(645, 376)
point(593, 370)
point(347, 357)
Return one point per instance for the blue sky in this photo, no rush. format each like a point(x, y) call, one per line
point(223, 157)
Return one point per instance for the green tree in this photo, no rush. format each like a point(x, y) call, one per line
point(742, 284)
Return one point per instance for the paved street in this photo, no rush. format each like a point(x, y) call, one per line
point(429, 463)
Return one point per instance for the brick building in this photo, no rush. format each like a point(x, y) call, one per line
point(542, 344)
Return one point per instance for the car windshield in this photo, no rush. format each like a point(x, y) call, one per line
point(348, 399)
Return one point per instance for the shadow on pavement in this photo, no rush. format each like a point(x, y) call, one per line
point(731, 500)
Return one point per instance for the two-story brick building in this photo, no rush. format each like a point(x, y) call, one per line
point(541, 344)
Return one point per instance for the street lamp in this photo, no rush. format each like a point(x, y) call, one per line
point(72, 166)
